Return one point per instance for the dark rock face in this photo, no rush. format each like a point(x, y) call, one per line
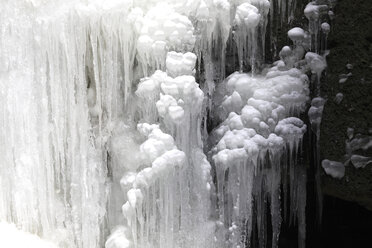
point(350, 42)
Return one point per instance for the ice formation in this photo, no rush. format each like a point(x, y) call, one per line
point(360, 161)
point(162, 29)
point(104, 110)
point(313, 12)
point(339, 97)
point(354, 144)
point(167, 196)
point(252, 145)
point(333, 168)
point(319, 15)
point(315, 114)
point(250, 21)
point(296, 34)
point(344, 77)
point(358, 142)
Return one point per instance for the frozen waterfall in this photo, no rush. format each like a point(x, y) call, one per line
point(106, 109)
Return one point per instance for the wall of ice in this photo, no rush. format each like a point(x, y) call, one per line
point(104, 138)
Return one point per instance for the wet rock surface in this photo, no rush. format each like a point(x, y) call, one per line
point(349, 72)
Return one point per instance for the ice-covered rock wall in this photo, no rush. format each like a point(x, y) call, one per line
point(104, 137)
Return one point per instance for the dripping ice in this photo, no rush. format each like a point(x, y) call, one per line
point(104, 111)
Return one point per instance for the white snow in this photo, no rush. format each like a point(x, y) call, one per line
point(12, 237)
point(119, 238)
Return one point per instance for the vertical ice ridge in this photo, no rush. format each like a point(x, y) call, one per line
point(250, 21)
point(61, 105)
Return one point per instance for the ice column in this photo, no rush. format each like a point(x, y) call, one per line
point(168, 194)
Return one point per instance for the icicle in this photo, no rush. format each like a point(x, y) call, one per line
point(313, 12)
point(250, 20)
point(162, 30)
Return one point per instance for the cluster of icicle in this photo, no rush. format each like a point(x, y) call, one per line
point(256, 152)
point(256, 148)
point(168, 192)
point(92, 159)
point(251, 21)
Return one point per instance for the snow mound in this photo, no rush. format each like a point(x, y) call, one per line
point(12, 237)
